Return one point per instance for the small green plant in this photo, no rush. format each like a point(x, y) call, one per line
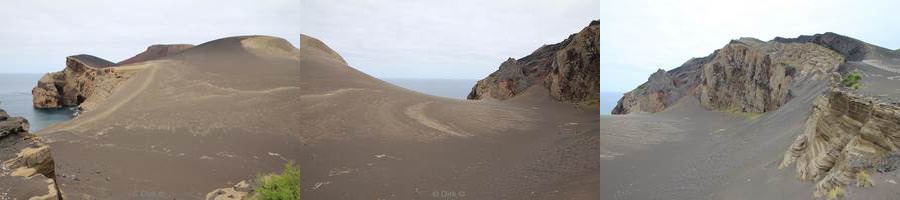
point(836, 192)
point(284, 186)
point(852, 80)
point(863, 179)
point(589, 104)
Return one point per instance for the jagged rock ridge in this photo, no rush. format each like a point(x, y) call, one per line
point(747, 75)
point(26, 167)
point(569, 70)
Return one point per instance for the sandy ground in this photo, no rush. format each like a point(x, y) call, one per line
point(687, 152)
point(231, 109)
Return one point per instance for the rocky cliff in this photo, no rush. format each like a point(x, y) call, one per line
point(848, 138)
point(83, 77)
point(26, 167)
point(746, 75)
point(850, 135)
point(156, 52)
point(569, 70)
point(88, 79)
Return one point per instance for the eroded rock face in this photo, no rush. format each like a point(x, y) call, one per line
point(569, 70)
point(83, 77)
point(26, 166)
point(653, 96)
point(156, 52)
point(747, 75)
point(502, 84)
point(846, 134)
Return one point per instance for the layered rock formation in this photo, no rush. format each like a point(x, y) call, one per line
point(26, 167)
point(569, 70)
point(851, 134)
point(156, 52)
point(847, 136)
point(83, 77)
point(747, 75)
point(88, 79)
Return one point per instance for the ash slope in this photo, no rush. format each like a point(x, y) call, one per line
point(720, 133)
point(226, 110)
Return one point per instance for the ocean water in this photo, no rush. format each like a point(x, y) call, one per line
point(15, 98)
point(450, 88)
point(608, 101)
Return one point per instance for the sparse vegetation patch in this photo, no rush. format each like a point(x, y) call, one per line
point(852, 80)
point(836, 192)
point(863, 179)
point(284, 186)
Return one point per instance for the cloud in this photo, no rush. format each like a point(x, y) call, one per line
point(424, 39)
point(639, 37)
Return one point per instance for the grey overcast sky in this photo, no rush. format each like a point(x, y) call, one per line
point(638, 36)
point(465, 39)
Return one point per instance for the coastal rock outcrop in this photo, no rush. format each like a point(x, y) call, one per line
point(26, 167)
point(87, 79)
point(84, 77)
point(569, 70)
point(154, 52)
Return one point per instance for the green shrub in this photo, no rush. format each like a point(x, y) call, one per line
point(836, 192)
point(863, 179)
point(284, 186)
point(852, 80)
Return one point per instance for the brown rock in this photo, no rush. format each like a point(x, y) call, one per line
point(569, 70)
point(845, 134)
point(747, 75)
point(46, 94)
point(26, 166)
point(83, 76)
